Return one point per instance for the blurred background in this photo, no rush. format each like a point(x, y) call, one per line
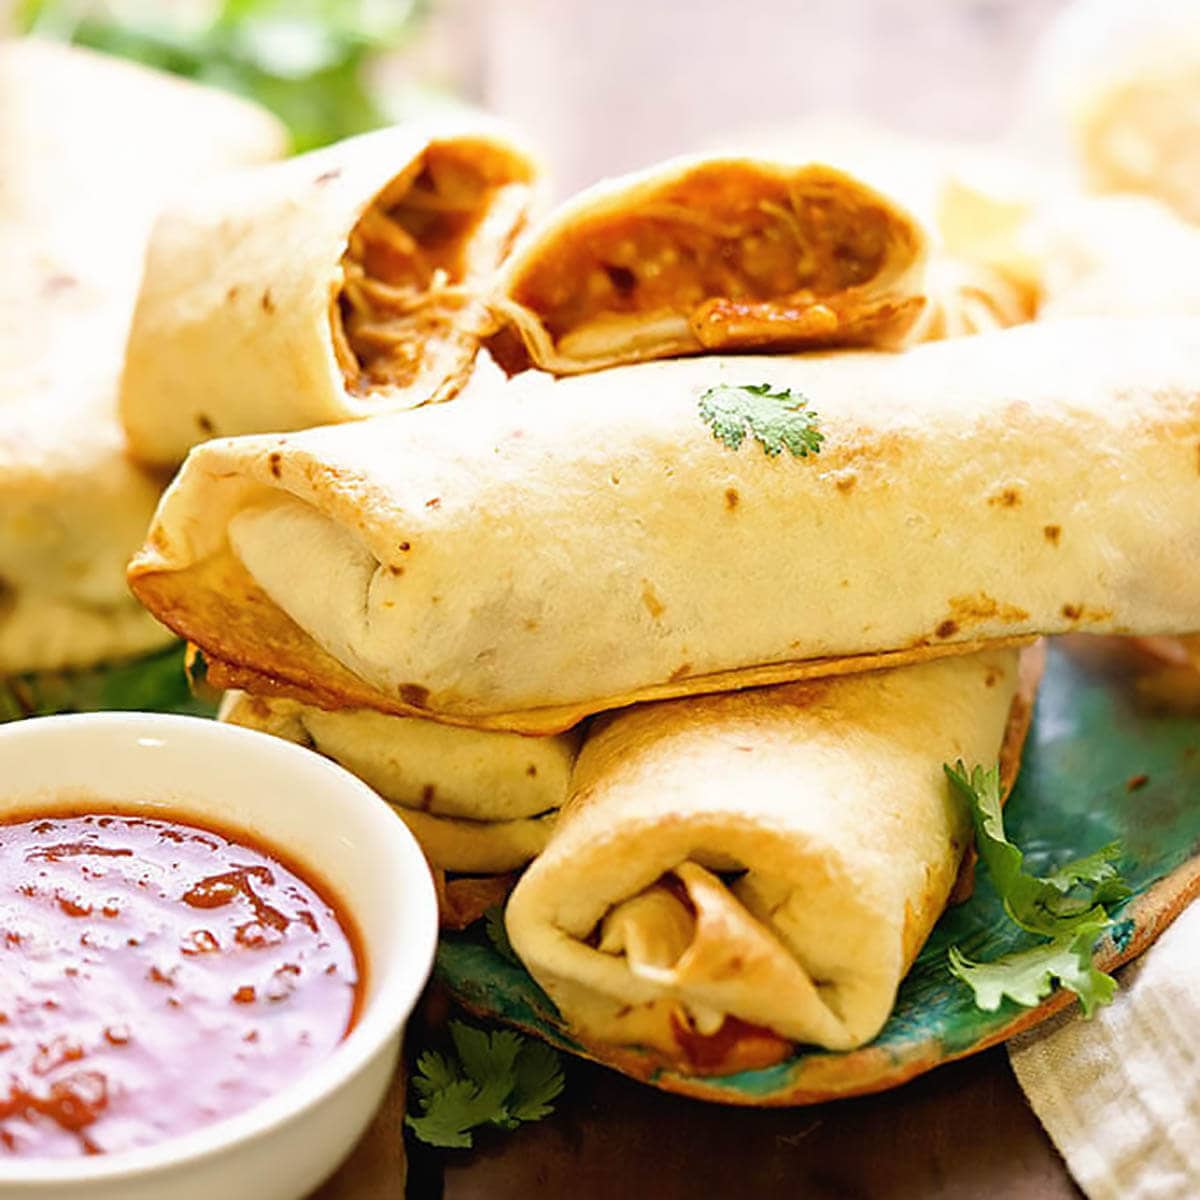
point(599, 88)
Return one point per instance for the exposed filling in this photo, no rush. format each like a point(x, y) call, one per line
point(413, 264)
point(740, 256)
point(689, 936)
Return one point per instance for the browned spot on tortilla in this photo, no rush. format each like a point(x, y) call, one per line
point(274, 461)
point(267, 303)
point(1135, 783)
point(947, 629)
point(414, 694)
point(406, 545)
point(531, 624)
point(1053, 533)
point(1084, 612)
point(8, 596)
point(427, 794)
point(326, 176)
point(231, 292)
point(731, 498)
point(531, 771)
point(1008, 498)
point(433, 502)
point(991, 678)
point(395, 570)
point(681, 672)
point(976, 607)
point(654, 606)
point(205, 425)
point(846, 483)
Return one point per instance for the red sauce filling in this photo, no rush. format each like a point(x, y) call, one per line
point(155, 977)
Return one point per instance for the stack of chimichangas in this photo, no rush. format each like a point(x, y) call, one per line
point(89, 148)
point(691, 601)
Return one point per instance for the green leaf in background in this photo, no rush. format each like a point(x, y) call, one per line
point(308, 61)
point(154, 683)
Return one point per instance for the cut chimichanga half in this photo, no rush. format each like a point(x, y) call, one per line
point(709, 254)
point(560, 547)
point(333, 286)
point(735, 873)
point(478, 802)
point(89, 148)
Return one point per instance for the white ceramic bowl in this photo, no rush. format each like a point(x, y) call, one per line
point(326, 820)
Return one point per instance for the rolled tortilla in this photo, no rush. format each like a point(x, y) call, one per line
point(89, 147)
point(562, 547)
point(333, 286)
point(1101, 256)
point(709, 254)
point(1119, 85)
point(480, 803)
point(735, 873)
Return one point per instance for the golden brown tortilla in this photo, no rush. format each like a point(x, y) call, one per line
point(735, 873)
point(337, 285)
point(562, 546)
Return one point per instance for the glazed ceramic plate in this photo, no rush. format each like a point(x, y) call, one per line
point(1103, 762)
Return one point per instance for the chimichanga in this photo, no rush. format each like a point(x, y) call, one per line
point(713, 254)
point(735, 873)
point(478, 802)
point(336, 285)
point(89, 148)
point(561, 547)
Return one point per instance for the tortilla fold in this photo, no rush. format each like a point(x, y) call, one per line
point(89, 148)
point(736, 870)
point(714, 253)
point(481, 803)
point(334, 286)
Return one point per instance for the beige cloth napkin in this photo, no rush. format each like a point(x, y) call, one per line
point(1120, 1094)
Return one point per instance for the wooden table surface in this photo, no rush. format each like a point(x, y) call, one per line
point(962, 1132)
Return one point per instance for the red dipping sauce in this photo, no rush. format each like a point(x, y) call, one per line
point(156, 976)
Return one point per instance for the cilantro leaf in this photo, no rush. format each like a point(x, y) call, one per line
point(1039, 905)
point(434, 1073)
point(486, 1058)
point(451, 1113)
point(778, 420)
point(1026, 976)
point(499, 1078)
point(539, 1079)
point(498, 934)
point(1068, 906)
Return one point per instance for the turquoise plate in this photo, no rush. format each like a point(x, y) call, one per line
point(1100, 764)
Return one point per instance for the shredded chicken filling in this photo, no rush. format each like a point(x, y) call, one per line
point(408, 271)
point(768, 248)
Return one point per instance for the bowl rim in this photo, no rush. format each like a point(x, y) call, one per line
point(384, 1014)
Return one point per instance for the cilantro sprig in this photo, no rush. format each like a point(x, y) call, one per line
point(1069, 907)
point(778, 420)
point(500, 1079)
